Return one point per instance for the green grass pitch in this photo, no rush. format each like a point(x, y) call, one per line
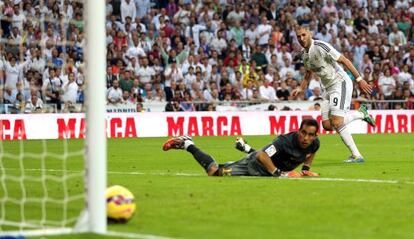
point(175, 199)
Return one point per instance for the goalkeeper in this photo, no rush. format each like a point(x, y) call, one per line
point(277, 159)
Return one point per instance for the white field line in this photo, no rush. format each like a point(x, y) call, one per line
point(67, 231)
point(159, 173)
point(134, 235)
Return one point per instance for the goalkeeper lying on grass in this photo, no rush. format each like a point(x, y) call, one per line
point(277, 159)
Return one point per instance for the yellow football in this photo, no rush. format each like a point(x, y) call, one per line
point(120, 204)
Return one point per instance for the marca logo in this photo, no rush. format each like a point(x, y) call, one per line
point(392, 123)
point(203, 126)
point(12, 129)
point(288, 123)
point(62, 126)
point(116, 128)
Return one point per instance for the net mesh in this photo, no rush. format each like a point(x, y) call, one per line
point(41, 183)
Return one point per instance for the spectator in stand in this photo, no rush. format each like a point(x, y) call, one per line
point(70, 89)
point(35, 105)
point(324, 35)
point(273, 64)
point(172, 74)
point(396, 37)
point(140, 107)
point(186, 104)
point(128, 9)
point(361, 22)
point(259, 57)
point(13, 70)
point(38, 63)
point(387, 84)
point(409, 98)
point(251, 35)
point(264, 29)
point(404, 75)
point(53, 89)
point(136, 50)
point(256, 97)
point(230, 60)
point(114, 94)
point(267, 92)
point(238, 32)
point(146, 72)
point(366, 63)
point(127, 98)
point(20, 103)
point(329, 8)
point(287, 68)
point(316, 94)
point(219, 43)
point(283, 92)
point(127, 80)
point(109, 77)
point(9, 95)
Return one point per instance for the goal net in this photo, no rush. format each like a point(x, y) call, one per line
point(41, 184)
point(53, 186)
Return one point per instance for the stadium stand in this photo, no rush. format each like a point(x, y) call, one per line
point(191, 55)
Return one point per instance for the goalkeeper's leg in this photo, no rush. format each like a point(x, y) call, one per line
point(242, 145)
point(205, 160)
point(186, 142)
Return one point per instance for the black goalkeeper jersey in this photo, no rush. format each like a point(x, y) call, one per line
point(285, 152)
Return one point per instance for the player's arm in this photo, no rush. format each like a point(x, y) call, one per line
point(306, 166)
point(266, 161)
point(363, 85)
point(309, 160)
point(303, 85)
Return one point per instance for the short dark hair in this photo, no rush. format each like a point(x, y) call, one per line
point(310, 122)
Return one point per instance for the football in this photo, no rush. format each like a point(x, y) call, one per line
point(120, 204)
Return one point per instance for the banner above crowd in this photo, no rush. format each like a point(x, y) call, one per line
point(131, 125)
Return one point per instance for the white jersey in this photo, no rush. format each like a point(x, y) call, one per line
point(322, 59)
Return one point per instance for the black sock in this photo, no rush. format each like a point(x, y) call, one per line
point(202, 158)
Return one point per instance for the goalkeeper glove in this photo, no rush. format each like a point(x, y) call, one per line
point(242, 145)
point(291, 174)
point(306, 172)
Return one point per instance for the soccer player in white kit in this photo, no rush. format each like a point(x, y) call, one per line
point(322, 59)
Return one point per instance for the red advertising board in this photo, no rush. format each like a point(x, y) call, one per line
point(127, 125)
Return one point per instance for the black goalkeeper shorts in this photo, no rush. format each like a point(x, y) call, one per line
point(247, 166)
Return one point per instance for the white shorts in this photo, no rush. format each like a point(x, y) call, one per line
point(337, 98)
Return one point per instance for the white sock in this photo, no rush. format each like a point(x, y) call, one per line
point(187, 143)
point(351, 116)
point(348, 140)
point(247, 148)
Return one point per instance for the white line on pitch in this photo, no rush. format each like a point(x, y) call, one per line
point(134, 235)
point(355, 180)
point(66, 231)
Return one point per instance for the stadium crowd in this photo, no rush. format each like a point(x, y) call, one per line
point(194, 54)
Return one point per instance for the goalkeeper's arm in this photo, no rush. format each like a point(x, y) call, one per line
point(243, 146)
point(306, 167)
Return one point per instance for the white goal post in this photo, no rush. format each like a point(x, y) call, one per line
point(93, 218)
point(94, 18)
